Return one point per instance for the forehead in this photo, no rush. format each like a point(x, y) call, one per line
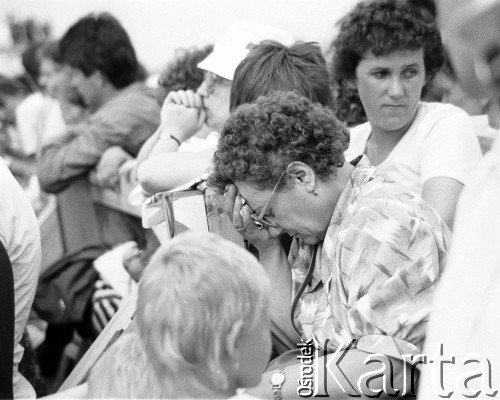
point(395, 59)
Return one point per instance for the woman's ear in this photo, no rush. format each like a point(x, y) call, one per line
point(302, 174)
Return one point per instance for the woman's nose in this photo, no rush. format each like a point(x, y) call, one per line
point(202, 90)
point(396, 88)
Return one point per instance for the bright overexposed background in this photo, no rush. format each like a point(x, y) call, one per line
point(158, 27)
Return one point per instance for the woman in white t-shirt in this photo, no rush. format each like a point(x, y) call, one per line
point(388, 53)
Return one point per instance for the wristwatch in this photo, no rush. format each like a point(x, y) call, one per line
point(165, 136)
point(277, 379)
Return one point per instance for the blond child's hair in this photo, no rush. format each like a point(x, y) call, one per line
point(192, 293)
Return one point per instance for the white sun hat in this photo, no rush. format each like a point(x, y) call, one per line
point(236, 43)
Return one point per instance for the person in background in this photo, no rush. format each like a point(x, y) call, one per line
point(102, 62)
point(55, 81)
point(223, 345)
point(183, 74)
point(367, 254)
point(103, 66)
point(464, 328)
point(25, 114)
point(486, 122)
point(184, 112)
point(31, 63)
point(7, 311)
point(20, 236)
point(268, 66)
point(387, 52)
point(348, 106)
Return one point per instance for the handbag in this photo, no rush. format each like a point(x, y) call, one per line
point(66, 287)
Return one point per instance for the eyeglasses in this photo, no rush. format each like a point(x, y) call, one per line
point(212, 81)
point(260, 219)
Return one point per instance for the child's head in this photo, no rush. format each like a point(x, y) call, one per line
point(124, 371)
point(203, 316)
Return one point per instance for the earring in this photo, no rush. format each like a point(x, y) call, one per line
point(314, 192)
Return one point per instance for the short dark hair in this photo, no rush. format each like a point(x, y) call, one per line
point(272, 66)
point(31, 61)
point(382, 27)
point(260, 139)
point(51, 51)
point(10, 87)
point(348, 106)
point(98, 42)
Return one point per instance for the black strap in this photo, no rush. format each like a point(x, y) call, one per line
point(6, 324)
point(307, 279)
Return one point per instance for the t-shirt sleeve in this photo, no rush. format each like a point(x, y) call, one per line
point(450, 148)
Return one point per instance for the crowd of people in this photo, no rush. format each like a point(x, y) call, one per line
point(364, 185)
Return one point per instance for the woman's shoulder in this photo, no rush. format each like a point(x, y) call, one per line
point(388, 202)
point(442, 123)
point(430, 114)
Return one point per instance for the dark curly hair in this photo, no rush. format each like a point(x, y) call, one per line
point(260, 139)
point(383, 27)
point(347, 106)
point(271, 66)
point(98, 42)
point(182, 72)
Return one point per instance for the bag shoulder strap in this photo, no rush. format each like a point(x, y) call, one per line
point(307, 279)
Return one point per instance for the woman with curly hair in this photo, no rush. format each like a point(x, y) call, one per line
point(367, 253)
point(387, 51)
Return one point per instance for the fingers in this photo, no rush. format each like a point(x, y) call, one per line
point(245, 216)
point(202, 115)
point(230, 196)
point(186, 98)
point(173, 98)
point(237, 212)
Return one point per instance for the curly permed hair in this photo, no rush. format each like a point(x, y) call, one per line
point(260, 139)
point(382, 27)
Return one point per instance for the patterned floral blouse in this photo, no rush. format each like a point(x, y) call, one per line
point(376, 271)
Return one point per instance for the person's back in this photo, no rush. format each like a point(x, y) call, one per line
point(20, 235)
point(104, 66)
point(7, 318)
